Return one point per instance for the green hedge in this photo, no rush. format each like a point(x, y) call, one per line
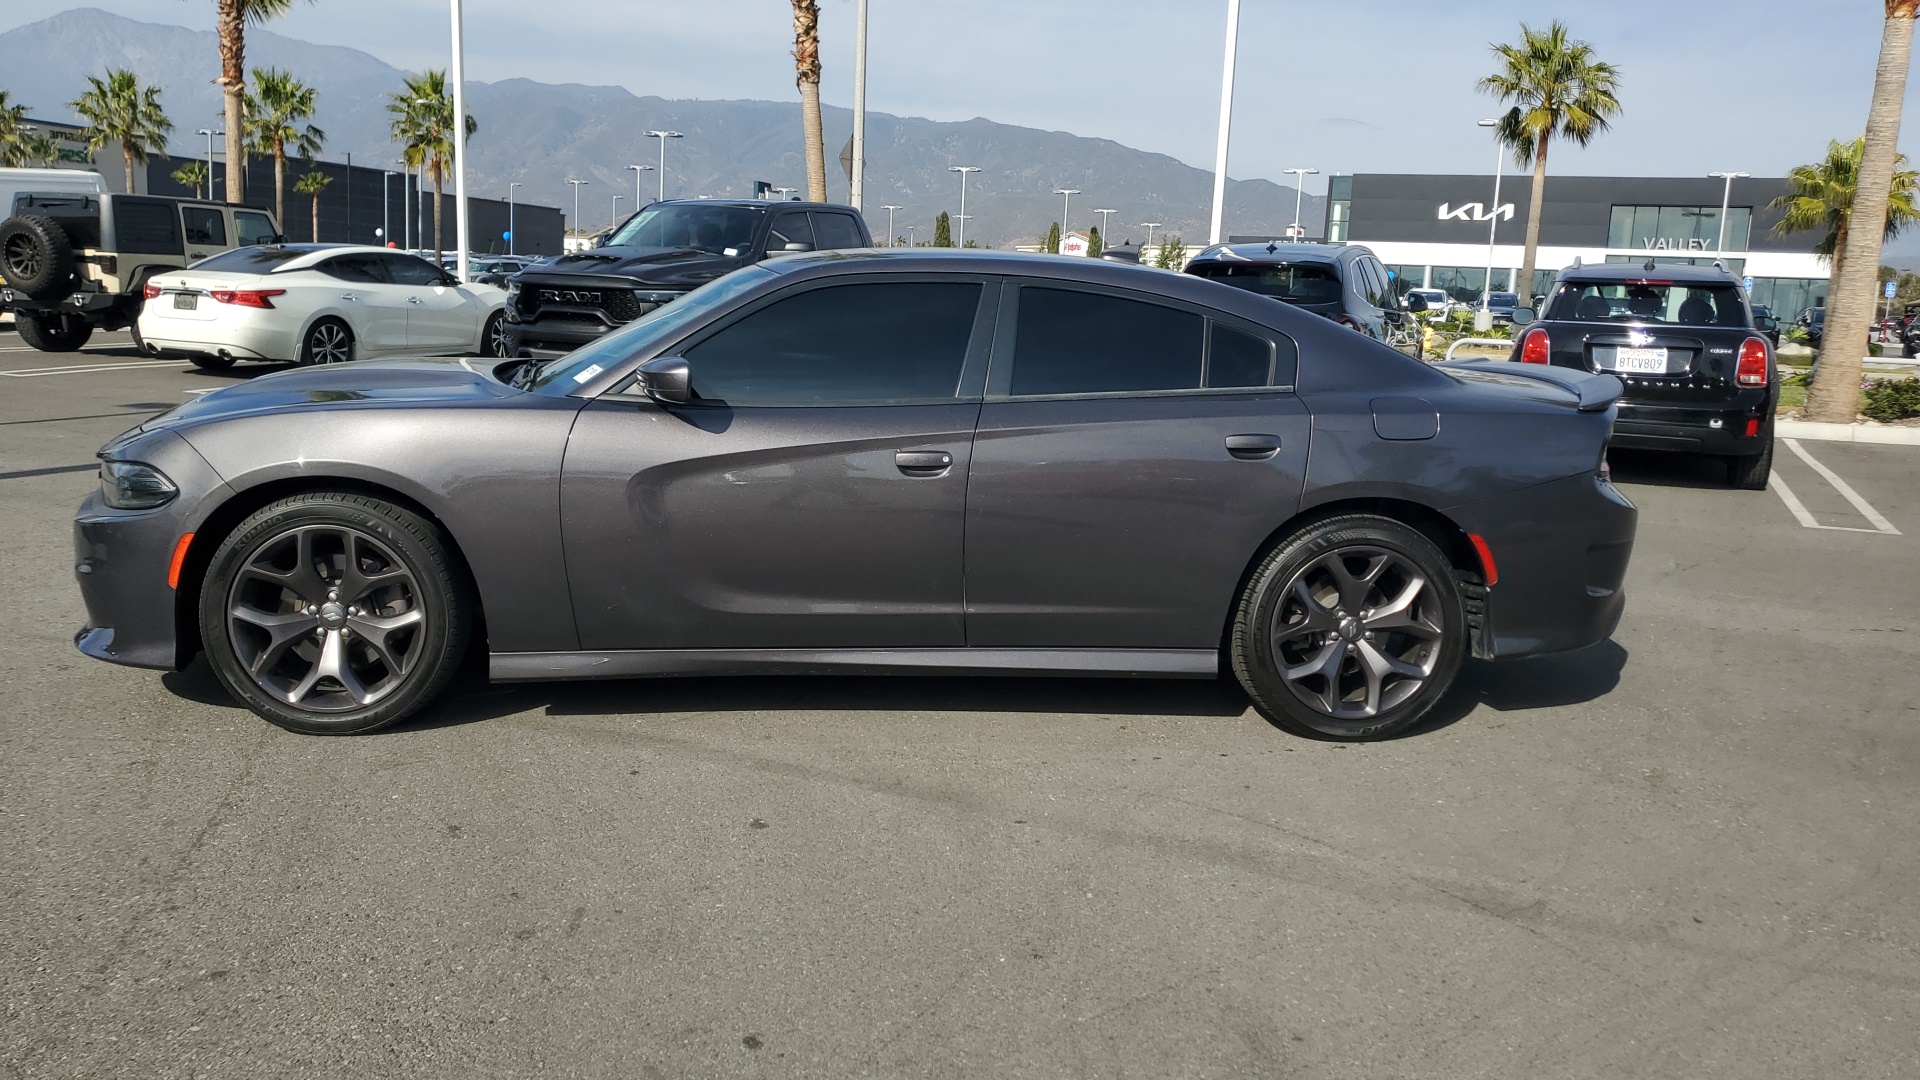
point(1887, 400)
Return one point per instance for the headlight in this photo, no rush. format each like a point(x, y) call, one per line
point(129, 485)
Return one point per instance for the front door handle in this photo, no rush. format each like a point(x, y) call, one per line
point(923, 462)
point(1253, 447)
point(348, 296)
point(415, 300)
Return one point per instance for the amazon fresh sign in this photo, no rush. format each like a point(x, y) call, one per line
point(1474, 211)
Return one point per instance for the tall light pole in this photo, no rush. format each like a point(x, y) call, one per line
point(663, 136)
point(637, 170)
point(386, 175)
point(1299, 187)
point(577, 185)
point(510, 208)
point(1066, 200)
point(783, 192)
point(1105, 217)
point(616, 209)
point(209, 133)
point(963, 170)
point(1726, 196)
point(1226, 120)
point(406, 204)
point(462, 230)
point(1483, 319)
point(1150, 226)
point(910, 243)
point(857, 177)
point(890, 209)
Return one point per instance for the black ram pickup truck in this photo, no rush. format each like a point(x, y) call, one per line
point(663, 252)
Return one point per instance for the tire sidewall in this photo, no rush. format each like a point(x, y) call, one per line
point(495, 328)
point(414, 540)
point(1253, 659)
point(307, 358)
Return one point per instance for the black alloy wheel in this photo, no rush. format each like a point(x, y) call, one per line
point(36, 256)
point(328, 341)
point(332, 613)
point(1352, 628)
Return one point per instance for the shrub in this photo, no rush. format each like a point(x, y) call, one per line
point(1887, 400)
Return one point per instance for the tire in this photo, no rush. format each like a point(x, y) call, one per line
point(493, 337)
point(328, 341)
point(1752, 472)
point(36, 256)
point(52, 333)
point(1297, 615)
point(315, 641)
point(211, 363)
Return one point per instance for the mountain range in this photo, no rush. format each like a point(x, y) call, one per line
point(541, 134)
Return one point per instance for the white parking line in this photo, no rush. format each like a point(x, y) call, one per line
point(1799, 509)
point(83, 369)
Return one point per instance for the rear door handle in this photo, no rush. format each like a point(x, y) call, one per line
point(923, 462)
point(1253, 447)
point(415, 300)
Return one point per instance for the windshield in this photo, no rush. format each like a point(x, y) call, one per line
point(1649, 302)
point(1295, 283)
point(716, 230)
point(662, 323)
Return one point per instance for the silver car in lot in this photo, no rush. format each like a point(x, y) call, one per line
point(875, 462)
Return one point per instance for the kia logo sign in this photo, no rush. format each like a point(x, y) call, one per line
point(1474, 211)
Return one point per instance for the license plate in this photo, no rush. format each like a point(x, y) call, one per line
point(190, 301)
point(1640, 361)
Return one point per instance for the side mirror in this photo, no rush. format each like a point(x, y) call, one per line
point(667, 379)
point(1522, 316)
point(1767, 323)
point(797, 247)
point(1416, 304)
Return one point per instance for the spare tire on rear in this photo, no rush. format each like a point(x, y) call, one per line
point(36, 258)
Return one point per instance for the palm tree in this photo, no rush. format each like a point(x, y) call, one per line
point(313, 184)
point(13, 120)
point(1557, 90)
point(231, 22)
point(121, 110)
point(281, 103)
point(806, 62)
point(1835, 396)
point(423, 125)
point(1820, 196)
point(193, 175)
point(39, 151)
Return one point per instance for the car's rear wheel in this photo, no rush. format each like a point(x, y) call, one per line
point(493, 340)
point(334, 614)
point(328, 341)
point(1752, 472)
point(1352, 628)
point(53, 333)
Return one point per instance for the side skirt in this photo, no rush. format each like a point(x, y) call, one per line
point(640, 663)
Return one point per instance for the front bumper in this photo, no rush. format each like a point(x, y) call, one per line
point(1560, 551)
point(1694, 430)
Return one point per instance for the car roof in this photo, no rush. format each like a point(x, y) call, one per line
point(753, 203)
point(1277, 251)
point(311, 254)
point(1638, 272)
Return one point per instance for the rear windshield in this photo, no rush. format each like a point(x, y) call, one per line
point(1296, 283)
point(1648, 302)
point(253, 260)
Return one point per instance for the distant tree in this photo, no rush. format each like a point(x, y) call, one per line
point(13, 135)
point(313, 184)
point(806, 64)
point(1170, 254)
point(39, 151)
point(971, 244)
point(120, 110)
point(1094, 243)
point(282, 105)
point(943, 230)
point(423, 125)
point(1051, 245)
point(192, 175)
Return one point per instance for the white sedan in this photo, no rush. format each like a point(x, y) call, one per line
point(318, 304)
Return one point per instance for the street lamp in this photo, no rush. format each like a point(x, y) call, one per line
point(963, 170)
point(1726, 196)
point(890, 210)
point(1066, 200)
point(209, 133)
point(1226, 120)
point(1483, 319)
point(1105, 217)
point(616, 210)
point(637, 170)
point(1299, 186)
point(783, 192)
point(577, 185)
point(1150, 226)
point(406, 204)
point(385, 176)
point(663, 136)
point(462, 224)
point(510, 188)
point(910, 228)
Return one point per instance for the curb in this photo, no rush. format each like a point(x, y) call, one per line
point(1857, 433)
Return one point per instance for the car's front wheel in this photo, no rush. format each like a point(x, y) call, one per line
point(1352, 628)
point(333, 614)
point(493, 339)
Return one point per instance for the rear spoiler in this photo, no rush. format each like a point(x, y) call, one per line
point(1595, 392)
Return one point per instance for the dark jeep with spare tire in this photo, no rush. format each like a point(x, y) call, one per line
point(74, 262)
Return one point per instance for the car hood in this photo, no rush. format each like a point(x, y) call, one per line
point(683, 267)
point(368, 383)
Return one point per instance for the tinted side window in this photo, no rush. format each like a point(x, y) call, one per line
point(1235, 358)
point(836, 231)
point(407, 270)
point(204, 225)
point(789, 229)
point(146, 228)
point(359, 268)
point(1085, 343)
point(866, 344)
point(253, 228)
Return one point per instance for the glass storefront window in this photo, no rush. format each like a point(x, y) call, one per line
point(1678, 228)
point(1407, 276)
point(1788, 297)
point(1465, 283)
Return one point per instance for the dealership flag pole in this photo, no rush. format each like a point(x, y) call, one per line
point(463, 238)
point(1226, 119)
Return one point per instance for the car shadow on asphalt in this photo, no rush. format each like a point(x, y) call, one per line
point(1507, 686)
point(1656, 469)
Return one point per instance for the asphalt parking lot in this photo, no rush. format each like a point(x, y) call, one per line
point(1691, 852)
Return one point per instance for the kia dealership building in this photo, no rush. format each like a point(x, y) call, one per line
point(1434, 231)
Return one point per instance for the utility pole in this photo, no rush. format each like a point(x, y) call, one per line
point(461, 226)
point(857, 178)
point(1226, 121)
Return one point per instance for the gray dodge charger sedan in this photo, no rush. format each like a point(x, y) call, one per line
point(874, 462)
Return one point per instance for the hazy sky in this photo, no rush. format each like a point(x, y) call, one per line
point(1340, 85)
